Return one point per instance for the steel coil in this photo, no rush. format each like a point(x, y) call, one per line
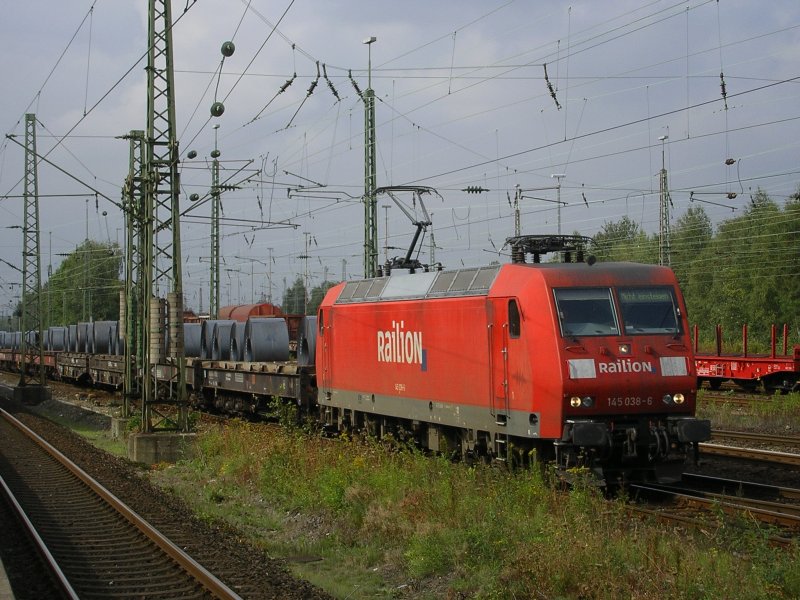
point(72, 338)
point(307, 341)
point(221, 348)
point(266, 340)
point(114, 343)
point(192, 333)
point(207, 336)
point(81, 338)
point(101, 337)
point(57, 339)
point(237, 340)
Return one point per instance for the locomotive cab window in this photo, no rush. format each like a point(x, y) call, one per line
point(514, 325)
point(586, 311)
point(649, 310)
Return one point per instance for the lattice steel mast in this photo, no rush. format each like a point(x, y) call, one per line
point(213, 304)
point(663, 212)
point(31, 269)
point(131, 316)
point(162, 264)
point(370, 175)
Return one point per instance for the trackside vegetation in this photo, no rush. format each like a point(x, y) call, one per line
point(777, 413)
point(743, 270)
point(364, 521)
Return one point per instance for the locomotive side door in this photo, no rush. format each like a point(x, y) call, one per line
point(324, 339)
point(503, 322)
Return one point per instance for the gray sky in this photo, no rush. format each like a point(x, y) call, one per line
point(462, 102)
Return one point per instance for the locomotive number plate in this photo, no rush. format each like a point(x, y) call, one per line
point(623, 401)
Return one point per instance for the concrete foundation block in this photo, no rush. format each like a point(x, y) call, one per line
point(32, 394)
point(119, 427)
point(153, 448)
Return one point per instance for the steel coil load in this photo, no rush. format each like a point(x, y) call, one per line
point(307, 341)
point(266, 340)
point(101, 337)
point(237, 340)
point(57, 338)
point(120, 339)
point(192, 333)
point(72, 338)
point(207, 336)
point(221, 348)
point(82, 337)
point(115, 345)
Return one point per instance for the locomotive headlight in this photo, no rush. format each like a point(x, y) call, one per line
point(667, 399)
point(575, 402)
point(678, 398)
point(587, 402)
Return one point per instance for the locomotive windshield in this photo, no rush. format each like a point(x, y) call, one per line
point(586, 311)
point(649, 310)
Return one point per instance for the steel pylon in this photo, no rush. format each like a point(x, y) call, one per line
point(131, 316)
point(164, 380)
point(370, 184)
point(31, 322)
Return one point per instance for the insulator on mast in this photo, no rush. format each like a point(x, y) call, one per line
point(355, 85)
point(330, 84)
point(550, 87)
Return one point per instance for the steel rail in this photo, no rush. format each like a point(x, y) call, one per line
point(186, 562)
point(38, 542)
point(783, 458)
point(668, 517)
point(774, 490)
point(764, 511)
point(740, 400)
point(784, 440)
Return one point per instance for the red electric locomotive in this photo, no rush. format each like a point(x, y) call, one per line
point(589, 365)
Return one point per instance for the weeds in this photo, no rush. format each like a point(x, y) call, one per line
point(382, 519)
point(779, 413)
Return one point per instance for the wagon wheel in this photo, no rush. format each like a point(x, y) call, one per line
point(715, 383)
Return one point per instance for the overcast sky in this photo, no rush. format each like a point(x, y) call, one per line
point(463, 101)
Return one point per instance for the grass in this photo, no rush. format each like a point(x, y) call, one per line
point(362, 521)
point(98, 437)
point(778, 413)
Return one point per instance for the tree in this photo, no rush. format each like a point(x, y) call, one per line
point(317, 296)
point(86, 284)
point(294, 300)
point(624, 240)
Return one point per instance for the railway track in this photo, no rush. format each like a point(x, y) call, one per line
point(768, 456)
point(772, 505)
point(101, 546)
point(718, 397)
point(787, 441)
